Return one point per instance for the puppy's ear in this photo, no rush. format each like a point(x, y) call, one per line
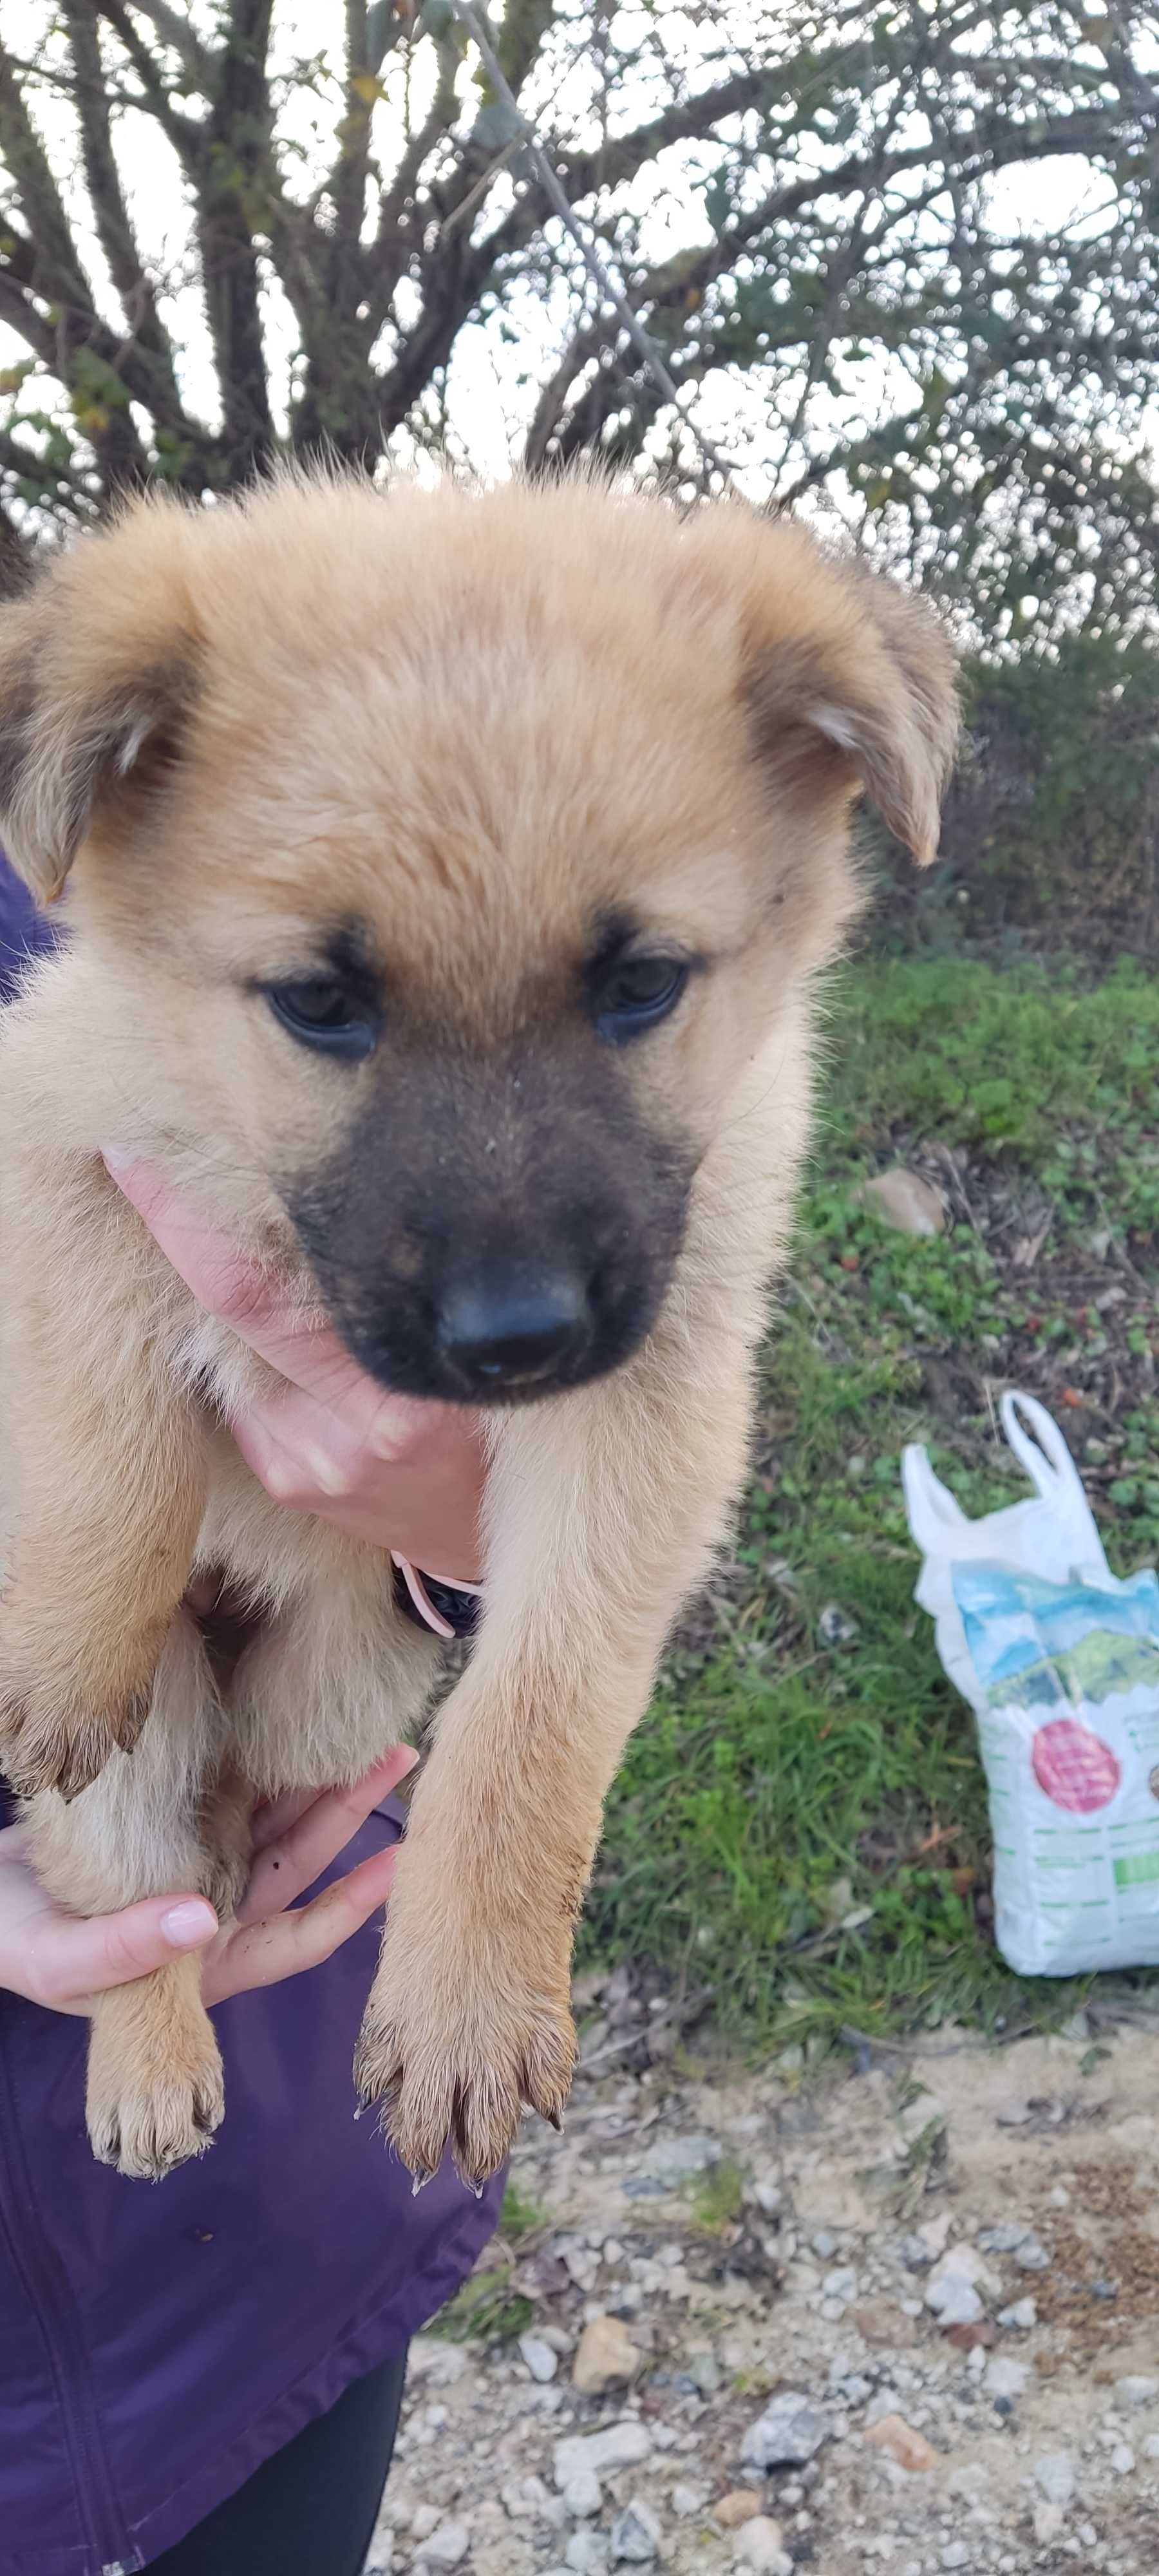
point(97, 671)
point(843, 669)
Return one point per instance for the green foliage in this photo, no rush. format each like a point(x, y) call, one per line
point(804, 1824)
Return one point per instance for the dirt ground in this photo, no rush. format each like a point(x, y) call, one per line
point(930, 2277)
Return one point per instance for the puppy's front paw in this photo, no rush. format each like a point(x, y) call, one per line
point(47, 1744)
point(452, 2065)
point(155, 2087)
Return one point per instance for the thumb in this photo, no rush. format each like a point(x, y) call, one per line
point(74, 1958)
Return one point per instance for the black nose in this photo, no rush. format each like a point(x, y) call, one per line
point(512, 1326)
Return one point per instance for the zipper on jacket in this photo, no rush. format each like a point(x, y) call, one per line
point(50, 2300)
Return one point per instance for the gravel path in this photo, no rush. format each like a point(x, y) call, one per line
point(905, 2316)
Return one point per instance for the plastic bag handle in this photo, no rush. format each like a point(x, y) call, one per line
point(1042, 1451)
point(926, 1497)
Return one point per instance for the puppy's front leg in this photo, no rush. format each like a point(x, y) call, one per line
point(103, 1472)
point(604, 1509)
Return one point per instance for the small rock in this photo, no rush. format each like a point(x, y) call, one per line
point(583, 2495)
point(1123, 2459)
point(587, 2553)
point(604, 2354)
point(687, 2501)
point(425, 2519)
point(1006, 2378)
point(1005, 2239)
point(618, 2446)
point(883, 2326)
point(1031, 2255)
point(741, 2504)
point(900, 1198)
point(915, 2253)
point(823, 2241)
point(677, 2160)
point(835, 1627)
point(972, 2339)
point(1135, 2390)
point(953, 2301)
point(955, 2554)
point(840, 2284)
point(447, 2546)
point(1023, 2314)
point(635, 2535)
point(788, 2433)
point(910, 2449)
point(541, 2361)
point(1047, 2521)
point(758, 2544)
point(1151, 2446)
point(1054, 2476)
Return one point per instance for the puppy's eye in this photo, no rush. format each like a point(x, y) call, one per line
point(323, 1015)
point(632, 995)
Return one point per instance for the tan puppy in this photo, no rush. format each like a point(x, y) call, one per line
point(448, 875)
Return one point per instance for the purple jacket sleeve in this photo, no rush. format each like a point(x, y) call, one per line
point(24, 932)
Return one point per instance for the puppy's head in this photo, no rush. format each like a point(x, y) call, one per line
point(442, 861)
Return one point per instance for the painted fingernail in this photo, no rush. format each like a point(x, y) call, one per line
point(186, 1926)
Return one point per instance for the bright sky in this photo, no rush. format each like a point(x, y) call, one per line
point(488, 406)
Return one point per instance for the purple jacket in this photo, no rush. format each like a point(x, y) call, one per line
point(158, 2341)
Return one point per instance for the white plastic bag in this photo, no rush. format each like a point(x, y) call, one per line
point(1060, 1663)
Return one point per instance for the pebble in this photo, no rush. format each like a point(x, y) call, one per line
point(909, 2448)
point(1151, 2446)
point(425, 2519)
point(789, 2432)
point(741, 2504)
point(605, 2353)
point(1048, 2521)
point(1123, 2459)
point(583, 2495)
point(953, 2300)
point(587, 2553)
point(1023, 2314)
point(447, 2545)
point(1031, 2255)
point(541, 2361)
point(1135, 2390)
point(955, 2554)
point(758, 2544)
point(677, 2160)
point(1005, 2378)
point(635, 2535)
point(619, 2446)
point(1055, 2476)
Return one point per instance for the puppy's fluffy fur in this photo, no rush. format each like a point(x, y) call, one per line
point(454, 750)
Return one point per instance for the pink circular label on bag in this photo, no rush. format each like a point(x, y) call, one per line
point(1074, 1768)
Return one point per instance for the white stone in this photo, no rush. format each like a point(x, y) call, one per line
point(676, 2160)
point(1022, 2314)
point(1136, 2391)
point(635, 2535)
point(447, 2546)
point(424, 2520)
point(1123, 2459)
point(758, 2545)
point(583, 2494)
point(1048, 2520)
point(787, 2434)
point(618, 2446)
point(1054, 2475)
point(1006, 2378)
point(688, 2500)
point(541, 2361)
point(953, 2301)
point(587, 2553)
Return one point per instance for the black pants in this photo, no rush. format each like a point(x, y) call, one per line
point(312, 2508)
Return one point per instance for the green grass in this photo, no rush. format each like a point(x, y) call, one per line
point(804, 1826)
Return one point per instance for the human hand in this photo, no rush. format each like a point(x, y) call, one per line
point(61, 1960)
point(384, 1468)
